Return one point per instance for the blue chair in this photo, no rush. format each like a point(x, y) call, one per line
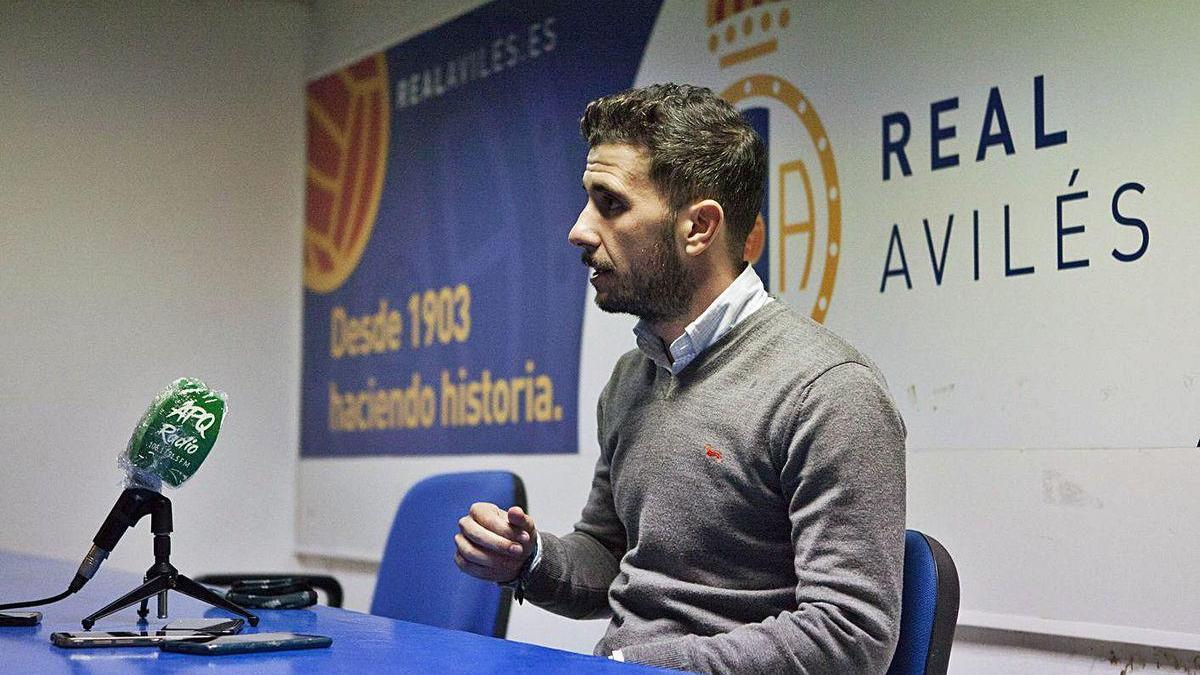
point(418, 580)
point(928, 610)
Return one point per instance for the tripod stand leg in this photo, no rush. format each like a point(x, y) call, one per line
point(151, 587)
point(188, 587)
point(143, 610)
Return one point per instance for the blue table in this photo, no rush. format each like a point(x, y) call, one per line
point(362, 643)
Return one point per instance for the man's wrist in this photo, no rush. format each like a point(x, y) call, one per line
point(517, 584)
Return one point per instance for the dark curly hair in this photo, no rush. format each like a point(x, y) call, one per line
point(699, 147)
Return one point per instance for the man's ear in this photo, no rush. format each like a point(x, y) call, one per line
point(705, 225)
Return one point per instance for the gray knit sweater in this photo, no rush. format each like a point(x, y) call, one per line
point(746, 515)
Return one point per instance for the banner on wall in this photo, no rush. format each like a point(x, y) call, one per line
point(1003, 237)
point(443, 304)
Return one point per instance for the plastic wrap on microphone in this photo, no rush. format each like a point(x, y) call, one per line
point(174, 435)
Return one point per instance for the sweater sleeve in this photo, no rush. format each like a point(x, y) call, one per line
point(576, 569)
point(843, 476)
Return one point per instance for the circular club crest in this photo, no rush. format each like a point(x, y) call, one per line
point(348, 125)
point(804, 207)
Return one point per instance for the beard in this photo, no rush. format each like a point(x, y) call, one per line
point(656, 288)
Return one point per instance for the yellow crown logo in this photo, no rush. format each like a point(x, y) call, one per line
point(743, 30)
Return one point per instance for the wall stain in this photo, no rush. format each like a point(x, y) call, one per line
point(1142, 658)
point(1102, 656)
point(1058, 489)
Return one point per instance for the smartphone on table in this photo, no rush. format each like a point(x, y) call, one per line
point(251, 642)
point(20, 618)
point(182, 630)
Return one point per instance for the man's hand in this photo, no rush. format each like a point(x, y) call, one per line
point(494, 544)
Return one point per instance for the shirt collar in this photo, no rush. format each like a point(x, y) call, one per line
point(742, 298)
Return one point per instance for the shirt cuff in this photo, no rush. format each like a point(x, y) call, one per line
point(537, 552)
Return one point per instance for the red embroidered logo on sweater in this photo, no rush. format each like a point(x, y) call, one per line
point(709, 452)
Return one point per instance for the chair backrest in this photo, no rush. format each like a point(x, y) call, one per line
point(418, 580)
point(929, 608)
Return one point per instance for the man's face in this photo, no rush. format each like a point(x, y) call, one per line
point(628, 237)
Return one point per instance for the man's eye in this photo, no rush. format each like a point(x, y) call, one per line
point(608, 205)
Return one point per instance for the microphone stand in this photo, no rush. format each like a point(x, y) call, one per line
point(162, 575)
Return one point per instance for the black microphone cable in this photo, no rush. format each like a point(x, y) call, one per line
point(91, 563)
point(35, 603)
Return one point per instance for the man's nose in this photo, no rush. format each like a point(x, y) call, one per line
point(582, 234)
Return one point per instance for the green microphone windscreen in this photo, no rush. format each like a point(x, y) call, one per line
point(175, 434)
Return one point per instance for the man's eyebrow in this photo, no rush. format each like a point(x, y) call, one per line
point(605, 190)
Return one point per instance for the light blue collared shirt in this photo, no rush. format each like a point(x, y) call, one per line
point(744, 297)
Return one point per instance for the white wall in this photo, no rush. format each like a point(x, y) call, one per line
point(151, 177)
point(342, 31)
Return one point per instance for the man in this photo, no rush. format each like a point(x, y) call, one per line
point(747, 508)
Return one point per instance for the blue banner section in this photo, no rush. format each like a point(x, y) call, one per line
point(458, 330)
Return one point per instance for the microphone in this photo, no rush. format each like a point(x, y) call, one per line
point(169, 443)
point(174, 436)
